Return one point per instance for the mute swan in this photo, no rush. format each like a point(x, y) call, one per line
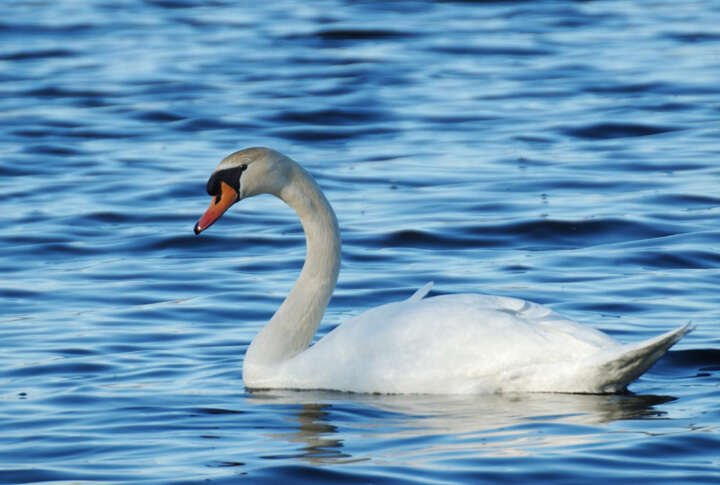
point(462, 343)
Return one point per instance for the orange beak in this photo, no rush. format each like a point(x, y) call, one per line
point(228, 196)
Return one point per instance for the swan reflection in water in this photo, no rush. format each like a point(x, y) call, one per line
point(331, 427)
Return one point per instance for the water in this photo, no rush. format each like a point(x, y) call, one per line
point(561, 152)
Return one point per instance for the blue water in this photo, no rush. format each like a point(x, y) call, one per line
point(563, 152)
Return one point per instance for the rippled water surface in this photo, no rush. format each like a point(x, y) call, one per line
point(562, 152)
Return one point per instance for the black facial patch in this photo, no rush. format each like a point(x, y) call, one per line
point(230, 176)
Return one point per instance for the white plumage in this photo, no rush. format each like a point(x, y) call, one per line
point(463, 343)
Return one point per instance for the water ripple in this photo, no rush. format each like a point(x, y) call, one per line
point(601, 131)
point(559, 152)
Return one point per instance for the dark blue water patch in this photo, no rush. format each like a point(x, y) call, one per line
point(43, 29)
point(48, 123)
point(74, 133)
point(39, 474)
point(210, 124)
point(210, 24)
point(529, 162)
point(60, 368)
point(74, 398)
point(329, 133)
point(648, 166)
point(216, 411)
point(350, 115)
point(50, 244)
point(694, 37)
point(526, 94)
point(666, 107)
point(365, 183)
point(179, 4)
point(590, 185)
point(678, 88)
point(164, 425)
point(687, 201)
point(151, 337)
point(158, 116)
point(517, 268)
point(56, 248)
point(672, 259)
point(283, 261)
point(157, 372)
point(688, 444)
point(365, 256)
point(107, 183)
point(107, 217)
point(354, 34)
point(700, 359)
point(363, 299)
point(611, 308)
point(37, 54)
point(54, 149)
point(427, 239)
point(543, 233)
point(154, 90)
point(65, 448)
point(571, 234)
point(121, 348)
point(449, 121)
point(217, 243)
point(12, 293)
point(311, 475)
point(55, 91)
point(626, 88)
point(535, 139)
point(32, 133)
point(488, 51)
point(75, 352)
point(83, 297)
point(158, 310)
point(610, 130)
point(99, 134)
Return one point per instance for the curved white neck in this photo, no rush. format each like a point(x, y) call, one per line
point(292, 327)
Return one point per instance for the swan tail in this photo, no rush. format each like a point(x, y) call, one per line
point(623, 367)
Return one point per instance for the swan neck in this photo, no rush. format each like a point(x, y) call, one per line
point(292, 327)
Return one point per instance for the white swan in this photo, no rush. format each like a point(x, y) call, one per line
point(462, 343)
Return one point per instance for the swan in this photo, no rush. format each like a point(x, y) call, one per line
point(461, 343)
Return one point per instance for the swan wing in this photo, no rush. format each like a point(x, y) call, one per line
point(448, 344)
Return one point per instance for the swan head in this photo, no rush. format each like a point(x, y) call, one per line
point(244, 174)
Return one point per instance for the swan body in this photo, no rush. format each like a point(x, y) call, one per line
point(464, 343)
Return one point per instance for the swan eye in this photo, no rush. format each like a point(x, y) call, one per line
point(213, 186)
point(230, 176)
